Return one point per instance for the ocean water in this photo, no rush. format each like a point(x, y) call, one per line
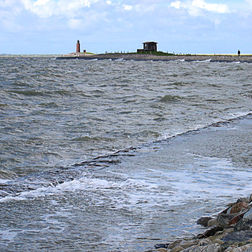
point(119, 155)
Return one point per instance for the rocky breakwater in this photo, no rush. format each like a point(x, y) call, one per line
point(230, 231)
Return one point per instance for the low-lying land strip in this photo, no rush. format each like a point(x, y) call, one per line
point(136, 56)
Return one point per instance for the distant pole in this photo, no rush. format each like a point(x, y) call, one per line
point(239, 53)
point(78, 47)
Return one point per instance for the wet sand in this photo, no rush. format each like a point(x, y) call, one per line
point(115, 56)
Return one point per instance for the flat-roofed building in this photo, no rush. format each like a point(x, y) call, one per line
point(148, 47)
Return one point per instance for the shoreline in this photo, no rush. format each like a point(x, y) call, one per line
point(229, 231)
point(145, 57)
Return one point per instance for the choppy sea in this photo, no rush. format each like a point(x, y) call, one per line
point(115, 155)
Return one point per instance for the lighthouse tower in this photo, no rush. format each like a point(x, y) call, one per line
point(78, 46)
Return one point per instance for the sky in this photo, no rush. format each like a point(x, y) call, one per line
point(179, 26)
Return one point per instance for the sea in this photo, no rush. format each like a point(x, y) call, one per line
point(119, 155)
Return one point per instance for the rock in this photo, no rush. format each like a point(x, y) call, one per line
point(158, 246)
point(238, 236)
point(243, 225)
point(235, 219)
point(189, 243)
point(246, 248)
point(238, 207)
point(248, 215)
point(210, 232)
point(174, 244)
point(223, 219)
point(212, 222)
point(204, 242)
point(162, 250)
point(203, 221)
point(177, 249)
point(231, 231)
point(208, 248)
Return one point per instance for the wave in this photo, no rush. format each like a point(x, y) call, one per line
point(230, 119)
point(120, 59)
point(38, 184)
point(203, 61)
point(27, 92)
point(170, 98)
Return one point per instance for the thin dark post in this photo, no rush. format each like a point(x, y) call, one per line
point(239, 53)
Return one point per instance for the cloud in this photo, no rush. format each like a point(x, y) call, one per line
point(127, 7)
point(48, 8)
point(75, 23)
point(196, 7)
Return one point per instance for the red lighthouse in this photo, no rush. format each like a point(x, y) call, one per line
point(78, 47)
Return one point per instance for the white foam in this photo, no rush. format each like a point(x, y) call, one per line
point(175, 132)
point(120, 59)
point(203, 61)
point(212, 178)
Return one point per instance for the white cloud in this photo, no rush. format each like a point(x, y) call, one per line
point(176, 4)
point(195, 7)
point(219, 8)
point(127, 7)
point(48, 8)
point(75, 23)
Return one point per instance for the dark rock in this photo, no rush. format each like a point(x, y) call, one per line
point(238, 236)
point(203, 221)
point(243, 225)
point(158, 246)
point(210, 232)
point(224, 219)
point(236, 219)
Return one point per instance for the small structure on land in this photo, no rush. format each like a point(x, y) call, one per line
point(148, 47)
point(78, 46)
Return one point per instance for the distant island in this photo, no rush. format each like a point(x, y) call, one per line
point(150, 52)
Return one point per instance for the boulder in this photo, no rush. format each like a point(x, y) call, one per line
point(203, 221)
point(238, 236)
point(210, 232)
point(238, 207)
point(207, 248)
point(246, 248)
point(243, 225)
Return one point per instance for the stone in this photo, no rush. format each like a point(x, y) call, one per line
point(245, 248)
point(208, 248)
point(187, 244)
point(203, 221)
point(174, 244)
point(162, 250)
point(212, 222)
point(238, 207)
point(210, 232)
point(158, 246)
point(238, 236)
point(223, 219)
point(204, 242)
point(236, 219)
point(243, 224)
point(177, 249)
point(248, 215)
